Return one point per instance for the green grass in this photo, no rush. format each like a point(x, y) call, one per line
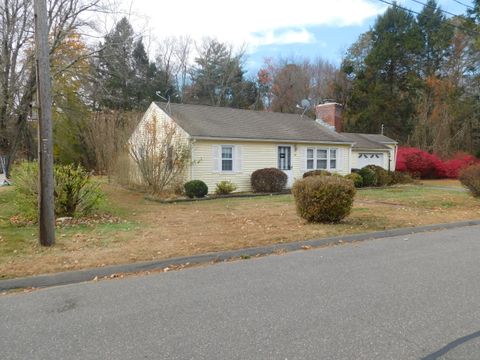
point(13, 239)
point(19, 240)
point(418, 196)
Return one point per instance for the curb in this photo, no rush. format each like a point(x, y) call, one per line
point(72, 277)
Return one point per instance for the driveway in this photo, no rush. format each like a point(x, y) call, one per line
point(414, 297)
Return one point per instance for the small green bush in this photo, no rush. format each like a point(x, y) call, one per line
point(196, 188)
point(25, 178)
point(268, 180)
point(76, 194)
point(369, 176)
point(225, 187)
point(383, 177)
point(470, 178)
point(356, 178)
point(323, 198)
point(399, 177)
point(317, 173)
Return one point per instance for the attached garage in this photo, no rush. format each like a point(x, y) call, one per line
point(372, 149)
point(370, 158)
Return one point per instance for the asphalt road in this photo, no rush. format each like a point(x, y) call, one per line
point(415, 297)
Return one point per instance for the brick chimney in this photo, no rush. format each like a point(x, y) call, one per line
point(330, 114)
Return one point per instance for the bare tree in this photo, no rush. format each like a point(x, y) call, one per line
point(107, 133)
point(17, 71)
point(160, 153)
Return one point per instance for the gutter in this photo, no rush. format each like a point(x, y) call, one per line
point(272, 140)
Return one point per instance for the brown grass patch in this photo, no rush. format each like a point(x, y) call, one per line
point(160, 231)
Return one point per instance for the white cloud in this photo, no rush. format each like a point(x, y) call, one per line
point(301, 36)
point(252, 22)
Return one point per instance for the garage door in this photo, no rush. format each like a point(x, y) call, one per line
point(365, 159)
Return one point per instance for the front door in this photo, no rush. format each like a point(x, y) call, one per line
point(285, 162)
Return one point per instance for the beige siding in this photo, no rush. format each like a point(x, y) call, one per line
point(162, 119)
point(393, 156)
point(254, 156)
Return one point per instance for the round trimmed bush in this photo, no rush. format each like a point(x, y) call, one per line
point(317, 173)
point(323, 198)
point(470, 178)
point(268, 180)
point(195, 188)
point(356, 178)
point(383, 177)
point(369, 176)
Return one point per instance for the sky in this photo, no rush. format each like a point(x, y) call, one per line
point(268, 28)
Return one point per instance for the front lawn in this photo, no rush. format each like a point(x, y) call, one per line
point(151, 230)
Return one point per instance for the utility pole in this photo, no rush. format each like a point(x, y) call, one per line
point(45, 143)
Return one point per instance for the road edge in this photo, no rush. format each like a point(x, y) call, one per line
point(77, 276)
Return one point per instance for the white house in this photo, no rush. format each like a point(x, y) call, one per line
point(230, 144)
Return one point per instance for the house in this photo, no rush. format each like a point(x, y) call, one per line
point(367, 149)
point(230, 144)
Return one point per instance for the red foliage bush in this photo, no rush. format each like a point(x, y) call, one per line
point(451, 168)
point(417, 163)
point(421, 164)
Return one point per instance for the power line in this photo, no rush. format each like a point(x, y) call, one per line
point(457, 27)
point(466, 5)
point(434, 7)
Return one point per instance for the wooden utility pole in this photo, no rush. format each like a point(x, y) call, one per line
point(45, 142)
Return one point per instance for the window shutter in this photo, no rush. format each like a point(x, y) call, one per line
point(340, 159)
point(238, 157)
point(303, 159)
point(216, 149)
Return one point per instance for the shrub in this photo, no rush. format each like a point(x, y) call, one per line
point(196, 188)
point(225, 187)
point(75, 192)
point(451, 168)
point(268, 180)
point(25, 177)
point(323, 198)
point(383, 177)
point(356, 178)
point(418, 163)
point(399, 177)
point(470, 178)
point(369, 176)
point(316, 173)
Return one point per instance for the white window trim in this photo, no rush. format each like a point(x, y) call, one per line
point(220, 158)
point(315, 158)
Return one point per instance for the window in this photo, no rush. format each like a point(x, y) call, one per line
point(333, 158)
point(227, 158)
point(321, 159)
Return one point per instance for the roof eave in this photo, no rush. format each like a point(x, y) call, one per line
point(221, 138)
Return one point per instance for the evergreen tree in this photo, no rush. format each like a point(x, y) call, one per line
point(436, 37)
point(384, 91)
point(127, 79)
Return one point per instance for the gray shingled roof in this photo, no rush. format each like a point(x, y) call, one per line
point(228, 123)
point(369, 141)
